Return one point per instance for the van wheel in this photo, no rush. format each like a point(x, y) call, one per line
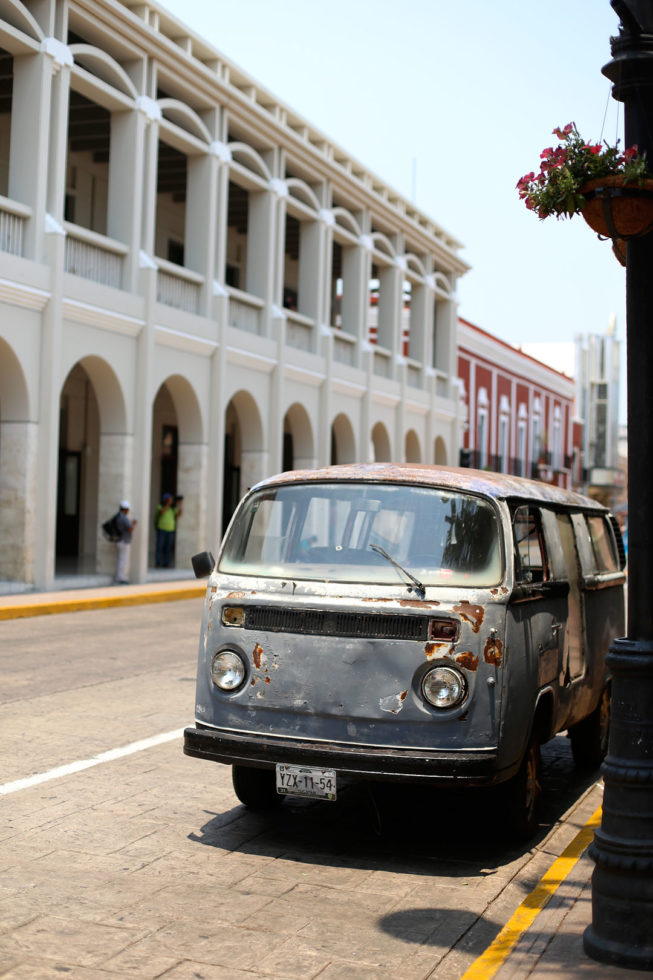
point(524, 792)
point(256, 788)
point(589, 738)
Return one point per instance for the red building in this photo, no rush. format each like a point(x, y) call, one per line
point(520, 412)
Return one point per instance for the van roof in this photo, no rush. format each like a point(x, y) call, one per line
point(498, 485)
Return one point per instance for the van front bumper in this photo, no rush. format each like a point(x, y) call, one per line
point(465, 766)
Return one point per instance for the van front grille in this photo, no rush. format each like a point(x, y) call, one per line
point(324, 623)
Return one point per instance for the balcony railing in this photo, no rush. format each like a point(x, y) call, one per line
point(344, 347)
point(382, 362)
point(299, 330)
point(178, 287)
point(93, 256)
point(413, 374)
point(13, 217)
point(245, 310)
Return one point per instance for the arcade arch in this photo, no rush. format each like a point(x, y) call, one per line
point(245, 461)
point(179, 464)
point(18, 447)
point(440, 452)
point(93, 472)
point(381, 444)
point(413, 449)
point(298, 440)
point(343, 442)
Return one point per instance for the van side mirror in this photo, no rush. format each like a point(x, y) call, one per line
point(203, 564)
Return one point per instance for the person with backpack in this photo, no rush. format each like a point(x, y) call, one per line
point(124, 526)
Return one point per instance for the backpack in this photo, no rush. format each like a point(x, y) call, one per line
point(110, 528)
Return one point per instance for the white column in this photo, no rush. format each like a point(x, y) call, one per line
point(191, 481)
point(19, 442)
point(51, 324)
point(126, 160)
point(30, 136)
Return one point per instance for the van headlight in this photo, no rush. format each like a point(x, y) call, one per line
point(444, 687)
point(227, 670)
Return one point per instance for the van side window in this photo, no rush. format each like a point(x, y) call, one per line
point(530, 555)
point(605, 556)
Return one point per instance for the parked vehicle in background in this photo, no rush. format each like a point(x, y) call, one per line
point(406, 622)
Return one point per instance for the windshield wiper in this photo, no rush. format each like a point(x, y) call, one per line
point(417, 585)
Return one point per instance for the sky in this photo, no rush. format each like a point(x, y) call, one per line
point(450, 102)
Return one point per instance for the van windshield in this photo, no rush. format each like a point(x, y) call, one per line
point(326, 532)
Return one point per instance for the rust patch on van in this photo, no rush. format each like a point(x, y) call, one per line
point(432, 648)
point(214, 588)
point(471, 614)
point(418, 603)
point(402, 696)
point(236, 595)
point(493, 651)
point(257, 653)
point(467, 660)
point(267, 680)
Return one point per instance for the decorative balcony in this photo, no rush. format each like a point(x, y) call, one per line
point(13, 218)
point(178, 287)
point(93, 256)
point(245, 311)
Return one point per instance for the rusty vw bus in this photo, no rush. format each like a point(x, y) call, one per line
point(406, 622)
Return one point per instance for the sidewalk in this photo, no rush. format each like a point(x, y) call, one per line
point(23, 605)
point(542, 933)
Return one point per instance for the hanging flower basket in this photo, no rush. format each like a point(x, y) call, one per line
point(618, 210)
point(613, 190)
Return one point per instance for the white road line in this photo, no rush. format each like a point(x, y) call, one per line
point(73, 767)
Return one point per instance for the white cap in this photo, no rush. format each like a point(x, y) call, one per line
point(124, 505)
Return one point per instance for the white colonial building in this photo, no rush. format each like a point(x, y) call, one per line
point(188, 276)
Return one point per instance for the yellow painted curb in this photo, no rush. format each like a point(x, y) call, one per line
point(50, 607)
point(495, 955)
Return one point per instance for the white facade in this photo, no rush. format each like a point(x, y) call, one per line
point(188, 274)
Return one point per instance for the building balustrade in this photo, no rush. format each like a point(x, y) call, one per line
point(178, 287)
point(344, 347)
point(93, 256)
point(382, 362)
point(413, 374)
point(299, 330)
point(245, 311)
point(13, 217)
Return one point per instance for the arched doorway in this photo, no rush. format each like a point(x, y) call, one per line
point(298, 443)
point(413, 449)
point(245, 462)
point(381, 444)
point(178, 466)
point(440, 452)
point(92, 476)
point(18, 449)
point(343, 442)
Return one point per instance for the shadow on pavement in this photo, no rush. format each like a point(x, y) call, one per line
point(378, 825)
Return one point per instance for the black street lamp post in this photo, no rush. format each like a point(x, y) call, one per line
point(622, 883)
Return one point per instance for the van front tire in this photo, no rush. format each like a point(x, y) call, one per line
point(523, 796)
point(255, 788)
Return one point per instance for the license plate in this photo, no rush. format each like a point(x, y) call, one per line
point(317, 784)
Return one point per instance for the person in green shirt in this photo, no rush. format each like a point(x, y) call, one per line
point(165, 522)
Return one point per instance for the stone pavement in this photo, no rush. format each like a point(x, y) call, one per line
point(548, 946)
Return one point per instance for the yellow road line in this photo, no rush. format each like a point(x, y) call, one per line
point(494, 956)
point(52, 606)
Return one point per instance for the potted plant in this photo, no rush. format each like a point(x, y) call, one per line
point(612, 189)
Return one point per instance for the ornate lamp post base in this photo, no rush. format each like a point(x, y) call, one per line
point(622, 882)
